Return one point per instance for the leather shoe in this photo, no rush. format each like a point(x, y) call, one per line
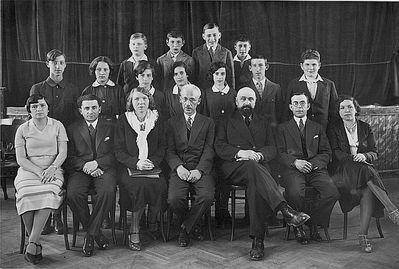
point(48, 229)
point(257, 252)
point(315, 235)
point(58, 227)
point(101, 241)
point(106, 223)
point(300, 235)
point(88, 245)
point(294, 218)
point(135, 246)
point(183, 240)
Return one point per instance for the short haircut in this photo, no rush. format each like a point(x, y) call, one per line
point(175, 34)
point(88, 97)
point(94, 63)
point(242, 38)
point(179, 64)
point(210, 25)
point(259, 56)
point(34, 99)
point(310, 54)
point(129, 102)
point(142, 66)
point(53, 54)
point(139, 35)
point(191, 87)
point(344, 97)
point(300, 93)
point(215, 67)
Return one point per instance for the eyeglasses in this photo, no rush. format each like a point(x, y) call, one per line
point(36, 106)
point(299, 104)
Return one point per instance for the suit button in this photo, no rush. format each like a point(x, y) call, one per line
point(238, 146)
point(222, 111)
point(222, 93)
point(103, 101)
point(253, 147)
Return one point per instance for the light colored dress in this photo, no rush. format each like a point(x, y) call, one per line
point(41, 149)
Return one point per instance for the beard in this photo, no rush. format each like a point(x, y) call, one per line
point(246, 110)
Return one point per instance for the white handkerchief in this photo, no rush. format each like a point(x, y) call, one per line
point(106, 139)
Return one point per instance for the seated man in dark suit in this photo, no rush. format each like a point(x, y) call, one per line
point(304, 153)
point(90, 164)
point(190, 157)
point(245, 144)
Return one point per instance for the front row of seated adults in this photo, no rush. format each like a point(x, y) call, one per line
point(244, 143)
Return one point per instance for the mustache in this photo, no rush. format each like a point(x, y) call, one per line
point(246, 110)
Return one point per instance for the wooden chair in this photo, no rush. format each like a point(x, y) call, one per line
point(345, 231)
point(311, 198)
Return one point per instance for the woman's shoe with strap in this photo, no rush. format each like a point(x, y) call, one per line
point(134, 241)
point(29, 257)
point(394, 216)
point(365, 243)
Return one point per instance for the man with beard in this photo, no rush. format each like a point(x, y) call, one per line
point(245, 144)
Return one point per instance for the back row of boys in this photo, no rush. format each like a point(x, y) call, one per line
point(242, 70)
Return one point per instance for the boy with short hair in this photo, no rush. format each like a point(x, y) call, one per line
point(321, 91)
point(242, 60)
point(210, 52)
point(126, 77)
point(175, 41)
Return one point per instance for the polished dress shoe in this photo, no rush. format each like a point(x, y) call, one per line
point(48, 229)
point(106, 223)
point(294, 218)
point(183, 240)
point(258, 249)
point(88, 245)
point(58, 226)
point(101, 241)
point(300, 235)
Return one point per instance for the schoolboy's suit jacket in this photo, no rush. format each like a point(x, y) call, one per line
point(289, 144)
point(242, 74)
point(270, 104)
point(233, 135)
point(322, 108)
point(197, 151)
point(165, 63)
point(80, 149)
point(203, 60)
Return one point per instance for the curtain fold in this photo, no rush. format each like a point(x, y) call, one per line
point(356, 40)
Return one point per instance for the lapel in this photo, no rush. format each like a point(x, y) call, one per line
point(295, 133)
point(344, 142)
point(182, 129)
point(268, 90)
point(238, 123)
point(205, 54)
point(84, 131)
point(321, 88)
point(101, 131)
point(309, 133)
point(180, 57)
point(196, 127)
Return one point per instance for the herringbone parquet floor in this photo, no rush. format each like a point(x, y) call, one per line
point(220, 253)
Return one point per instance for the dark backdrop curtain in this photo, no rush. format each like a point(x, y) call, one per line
point(358, 41)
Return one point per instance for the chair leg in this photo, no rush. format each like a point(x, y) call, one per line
point(65, 224)
point(124, 226)
point(327, 234)
point(75, 229)
point(208, 219)
point(345, 234)
point(23, 235)
point(377, 222)
point(4, 187)
point(287, 232)
point(233, 214)
point(169, 216)
point(161, 223)
point(113, 209)
point(267, 231)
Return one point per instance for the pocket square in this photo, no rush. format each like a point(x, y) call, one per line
point(106, 139)
point(316, 136)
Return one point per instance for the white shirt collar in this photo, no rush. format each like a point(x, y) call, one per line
point(109, 83)
point(303, 119)
point(225, 89)
point(192, 116)
point(248, 57)
point(318, 78)
point(175, 90)
point(143, 58)
point(263, 81)
point(214, 47)
point(152, 90)
point(94, 123)
point(173, 55)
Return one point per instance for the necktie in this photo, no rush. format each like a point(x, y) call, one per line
point(211, 53)
point(301, 127)
point(247, 120)
point(189, 123)
point(92, 131)
point(259, 87)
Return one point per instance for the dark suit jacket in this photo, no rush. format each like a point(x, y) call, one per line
point(165, 63)
point(270, 104)
point(79, 145)
point(202, 61)
point(242, 74)
point(289, 144)
point(340, 144)
point(195, 153)
point(126, 150)
point(233, 135)
point(322, 108)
